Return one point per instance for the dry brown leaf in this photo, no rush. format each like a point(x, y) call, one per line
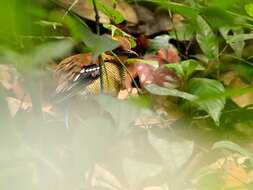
point(232, 80)
point(235, 175)
point(8, 76)
point(124, 94)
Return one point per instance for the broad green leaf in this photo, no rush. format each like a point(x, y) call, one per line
point(213, 15)
point(234, 147)
point(97, 44)
point(183, 31)
point(113, 14)
point(191, 65)
point(207, 39)
point(162, 91)
point(186, 68)
point(240, 37)
point(177, 67)
point(203, 87)
point(238, 44)
point(249, 9)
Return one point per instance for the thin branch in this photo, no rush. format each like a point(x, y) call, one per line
point(97, 17)
point(100, 59)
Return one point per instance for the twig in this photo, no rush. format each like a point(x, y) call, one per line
point(100, 59)
point(96, 16)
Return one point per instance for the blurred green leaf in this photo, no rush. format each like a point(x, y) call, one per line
point(177, 7)
point(212, 180)
point(81, 32)
point(40, 56)
point(51, 51)
point(207, 39)
point(249, 9)
point(203, 87)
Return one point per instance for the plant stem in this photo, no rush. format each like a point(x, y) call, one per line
point(100, 59)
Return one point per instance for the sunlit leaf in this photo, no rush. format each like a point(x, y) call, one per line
point(206, 38)
point(249, 9)
point(113, 14)
point(186, 68)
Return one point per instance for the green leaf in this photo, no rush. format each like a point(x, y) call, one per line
point(161, 91)
point(203, 88)
point(97, 44)
point(183, 31)
point(206, 38)
point(191, 65)
point(234, 147)
point(249, 9)
point(51, 50)
point(212, 180)
point(186, 68)
point(118, 32)
point(40, 56)
point(113, 14)
point(240, 37)
point(237, 44)
point(177, 67)
point(182, 9)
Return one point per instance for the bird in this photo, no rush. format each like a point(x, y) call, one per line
point(79, 74)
